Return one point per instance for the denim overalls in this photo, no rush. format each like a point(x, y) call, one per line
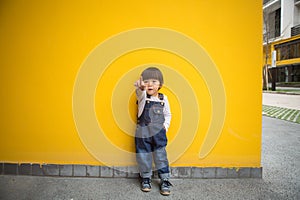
point(150, 139)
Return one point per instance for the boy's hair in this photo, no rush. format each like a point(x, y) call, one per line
point(153, 73)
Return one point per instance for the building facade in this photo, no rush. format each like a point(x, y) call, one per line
point(282, 41)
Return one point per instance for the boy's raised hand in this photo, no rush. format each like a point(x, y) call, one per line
point(140, 83)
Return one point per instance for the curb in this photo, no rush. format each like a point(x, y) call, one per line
point(281, 92)
point(55, 170)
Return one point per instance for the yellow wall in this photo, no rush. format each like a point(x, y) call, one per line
point(67, 70)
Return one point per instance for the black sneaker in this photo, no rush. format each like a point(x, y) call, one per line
point(146, 185)
point(165, 187)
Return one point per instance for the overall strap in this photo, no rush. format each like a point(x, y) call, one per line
point(160, 96)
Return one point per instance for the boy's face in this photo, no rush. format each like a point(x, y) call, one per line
point(152, 86)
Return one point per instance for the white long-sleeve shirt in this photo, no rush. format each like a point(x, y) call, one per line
point(142, 96)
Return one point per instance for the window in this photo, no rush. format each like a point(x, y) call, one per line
point(288, 50)
point(277, 22)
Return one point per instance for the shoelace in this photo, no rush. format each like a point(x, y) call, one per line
point(166, 182)
point(146, 181)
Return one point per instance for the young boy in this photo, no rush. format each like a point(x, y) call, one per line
point(154, 118)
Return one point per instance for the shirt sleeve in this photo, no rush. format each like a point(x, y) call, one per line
point(141, 97)
point(167, 113)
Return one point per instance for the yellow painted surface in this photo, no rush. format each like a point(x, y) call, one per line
point(272, 48)
point(288, 62)
point(67, 70)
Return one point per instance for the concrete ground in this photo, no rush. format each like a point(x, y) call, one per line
point(281, 176)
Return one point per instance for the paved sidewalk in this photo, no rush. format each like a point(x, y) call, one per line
point(281, 178)
point(282, 100)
